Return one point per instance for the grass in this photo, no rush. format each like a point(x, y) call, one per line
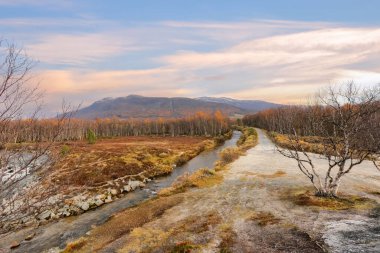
point(202, 178)
point(278, 173)
point(123, 223)
point(177, 238)
point(248, 139)
point(184, 247)
point(264, 218)
point(74, 246)
point(84, 164)
point(306, 197)
point(311, 144)
point(228, 237)
point(209, 177)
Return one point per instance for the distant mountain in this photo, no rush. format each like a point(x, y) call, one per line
point(246, 105)
point(135, 106)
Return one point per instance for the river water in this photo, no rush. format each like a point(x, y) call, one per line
point(59, 233)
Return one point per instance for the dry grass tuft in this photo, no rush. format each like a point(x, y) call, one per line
point(124, 222)
point(278, 173)
point(304, 197)
point(92, 165)
point(264, 218)
point(228, 155)
point(145, 239)
point(228, 237)
point(201, 179)
point(248, 139)
point(75, 246)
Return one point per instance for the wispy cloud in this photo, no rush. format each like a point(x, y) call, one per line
point(275, 60)
point(79, 48)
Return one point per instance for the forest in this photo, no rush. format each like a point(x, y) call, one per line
point(42, 130)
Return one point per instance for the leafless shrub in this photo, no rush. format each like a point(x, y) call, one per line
point(20, 99)
point(347, 120)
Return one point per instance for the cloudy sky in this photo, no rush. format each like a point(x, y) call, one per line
point(272, 50)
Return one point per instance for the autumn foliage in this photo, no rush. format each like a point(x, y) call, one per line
point(200, 124)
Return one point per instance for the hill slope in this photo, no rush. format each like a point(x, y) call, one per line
point(247, 105)
point(135, 106)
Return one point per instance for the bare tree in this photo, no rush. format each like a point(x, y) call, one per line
point(347, 120)
point(19, 102)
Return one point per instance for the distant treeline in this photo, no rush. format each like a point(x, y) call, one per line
point(201, 124)
point(316, 120)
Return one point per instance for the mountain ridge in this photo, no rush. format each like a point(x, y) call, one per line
point(137, 106)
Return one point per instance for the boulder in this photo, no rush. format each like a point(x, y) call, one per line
point(108, 199)
point(45, 215)
point(135, 184)
point(101, 197)
point(127, 188)
point(99, 202)
point(113, 192)
point(85, 206)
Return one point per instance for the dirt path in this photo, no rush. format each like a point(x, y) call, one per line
point(248, 213)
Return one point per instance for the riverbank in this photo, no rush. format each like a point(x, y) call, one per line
point(111, 235)
point(58, 233)
point(256, 208)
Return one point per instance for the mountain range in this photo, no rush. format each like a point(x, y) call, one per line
point(135, 106)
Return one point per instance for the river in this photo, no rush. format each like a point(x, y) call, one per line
point(68, 229)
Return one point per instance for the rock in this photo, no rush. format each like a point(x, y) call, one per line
point(99, 202)
point(54, 216)
point(85, 206)
point(101, 197)
point(113, 192)
point(108, 199)
point(30, 236)
point(45, 215)
point(127, 188)
point(14, 244)
point(135, 184)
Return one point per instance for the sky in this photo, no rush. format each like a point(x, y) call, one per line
point(274, 50)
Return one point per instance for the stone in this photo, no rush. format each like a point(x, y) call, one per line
point(99, 202)
point(85, 206)
point(113, 192)
point(101, 196)
point(45, 215)
point(108, 199)
point(30, 236)
point(14, 244)
point(135, 184)
point(127, 188)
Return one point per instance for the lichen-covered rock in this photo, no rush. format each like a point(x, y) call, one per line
point(45, 215)
point(108, 199)
point(113, 192)
point(127, 188)
point(99, 202)
point(85, 206)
